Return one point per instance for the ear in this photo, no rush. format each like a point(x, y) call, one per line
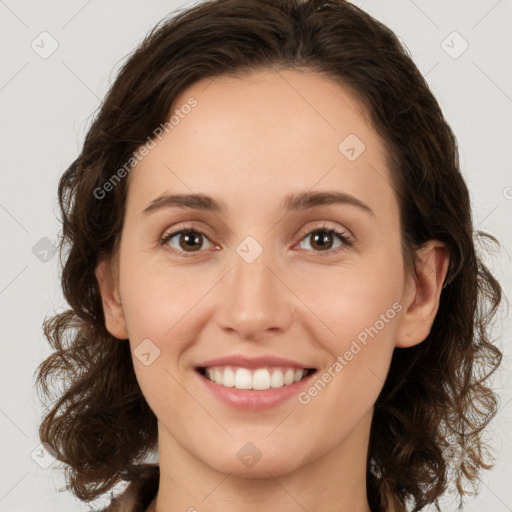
point(421, 295)
point(112, 308)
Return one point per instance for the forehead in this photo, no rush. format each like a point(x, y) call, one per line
point(263, 136)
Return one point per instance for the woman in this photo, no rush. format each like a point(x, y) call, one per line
point(272, 275)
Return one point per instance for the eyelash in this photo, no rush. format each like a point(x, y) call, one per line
point(347, 242)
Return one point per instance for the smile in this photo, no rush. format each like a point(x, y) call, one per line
point(258, 379)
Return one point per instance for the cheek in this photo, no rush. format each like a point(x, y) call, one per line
point(364, 311)
point(159, 312)
point(157, 298)
point(360, 344)
point(358, 311)
point(162, 305)
point(353, 297)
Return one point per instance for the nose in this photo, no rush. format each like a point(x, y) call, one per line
point(255, 302)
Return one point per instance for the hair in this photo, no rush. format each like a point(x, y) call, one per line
point(435, 396)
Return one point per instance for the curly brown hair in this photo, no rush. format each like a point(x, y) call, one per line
point(435, 395)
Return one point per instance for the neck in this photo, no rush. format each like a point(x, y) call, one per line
point(334, 482)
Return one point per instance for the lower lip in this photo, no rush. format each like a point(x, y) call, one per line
point(254, 400)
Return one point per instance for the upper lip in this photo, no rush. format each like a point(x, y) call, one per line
point(252, 362)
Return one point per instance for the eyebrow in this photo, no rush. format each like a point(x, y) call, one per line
point(292, 202)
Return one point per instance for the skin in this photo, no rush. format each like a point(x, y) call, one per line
point(248, 143)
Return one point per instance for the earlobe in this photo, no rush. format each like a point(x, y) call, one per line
point(422, 294)
point(111, 300)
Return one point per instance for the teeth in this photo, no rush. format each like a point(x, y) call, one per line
point(277, 380)
point(289, 376)
point(243, 379)
point(228, 379)
point(257, 379)
point(261, 379)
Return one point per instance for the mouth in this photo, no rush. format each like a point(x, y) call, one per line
point(257, 379)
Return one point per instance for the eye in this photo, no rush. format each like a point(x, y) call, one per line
point(322, 237)
point(189, 240)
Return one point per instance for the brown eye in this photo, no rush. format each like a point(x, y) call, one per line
point(322, 239)
point(187, 240)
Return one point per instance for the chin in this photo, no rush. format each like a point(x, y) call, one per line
point(264, 468)
point(258, 459)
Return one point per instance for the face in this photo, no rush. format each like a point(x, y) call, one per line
point(270, 282)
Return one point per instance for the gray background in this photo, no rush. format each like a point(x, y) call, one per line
point(47, 105)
